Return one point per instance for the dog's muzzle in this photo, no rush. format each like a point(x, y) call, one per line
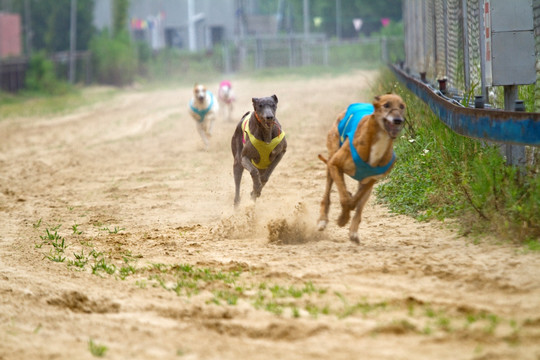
point(393, 126)
point(269, 121)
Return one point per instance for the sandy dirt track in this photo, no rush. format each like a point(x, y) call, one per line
point(127, 185)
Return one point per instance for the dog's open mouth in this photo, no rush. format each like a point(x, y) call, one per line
point(393, 127)
point(269, 123)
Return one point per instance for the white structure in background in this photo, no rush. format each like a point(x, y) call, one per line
point(185, 24)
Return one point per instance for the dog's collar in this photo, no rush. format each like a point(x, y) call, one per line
point(257, 117)
point(202, 112)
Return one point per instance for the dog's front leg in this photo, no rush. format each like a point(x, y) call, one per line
point(210, 125)
point(255, 176)
point(360, 192)
point(202, 133)
point(238, 169)
point(266, 175)
point(364, 191)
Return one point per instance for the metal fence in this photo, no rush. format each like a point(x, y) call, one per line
point(291, 51)
point(443, 40)
point(13, 70)
point(447, 42)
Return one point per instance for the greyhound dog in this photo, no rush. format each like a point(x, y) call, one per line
point(226, 99)
point(203, 108)
point(360, 144)
point(258, 145)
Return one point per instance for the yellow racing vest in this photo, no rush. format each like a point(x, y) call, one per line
point(264, 149)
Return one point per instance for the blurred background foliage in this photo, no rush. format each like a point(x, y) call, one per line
point(118, 60)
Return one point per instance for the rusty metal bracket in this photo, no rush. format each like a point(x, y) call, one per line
point(501, 126)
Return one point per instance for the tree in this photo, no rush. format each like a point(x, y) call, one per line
point(50, 21)
point(120, 16)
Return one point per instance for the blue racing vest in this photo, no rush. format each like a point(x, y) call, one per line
point(202, 113)
point(346, 128)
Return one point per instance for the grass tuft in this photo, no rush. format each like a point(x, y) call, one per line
point(96, 349)
point(440, 174)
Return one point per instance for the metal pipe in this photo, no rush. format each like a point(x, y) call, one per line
point(502, 126)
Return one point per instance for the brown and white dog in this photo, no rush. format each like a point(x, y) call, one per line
point(226, 99)
point(364, 152)
point(203, 108)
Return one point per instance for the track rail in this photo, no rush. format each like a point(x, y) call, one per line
point(508, 127)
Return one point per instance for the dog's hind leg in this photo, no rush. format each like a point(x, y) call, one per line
point(345, 197)
point(364, 191)
point(325, 203)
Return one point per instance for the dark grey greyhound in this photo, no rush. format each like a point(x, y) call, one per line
point(258, 144)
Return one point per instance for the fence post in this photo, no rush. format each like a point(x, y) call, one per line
point(466, 66)
point(88, 66)
point(325, 53)
point(72, 40)
point(226, 58)
point(485, 93)
point(384, 50)
point(515, 154)
point(291, 52)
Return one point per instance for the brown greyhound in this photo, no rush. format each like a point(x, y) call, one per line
point(360, 144)
point(258, 144)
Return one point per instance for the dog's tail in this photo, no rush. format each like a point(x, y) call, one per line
point(323, 159)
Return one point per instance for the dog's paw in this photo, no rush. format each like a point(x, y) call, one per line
point(255, 194)
point(353, 236)
point(322, 225)
point(343, 218)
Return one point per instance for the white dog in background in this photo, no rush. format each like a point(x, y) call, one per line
point(203, 108)
point(226, 99)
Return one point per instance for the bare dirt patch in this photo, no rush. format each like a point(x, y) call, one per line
point(116, 226)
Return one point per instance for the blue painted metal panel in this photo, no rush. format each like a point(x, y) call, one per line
point(508, 127)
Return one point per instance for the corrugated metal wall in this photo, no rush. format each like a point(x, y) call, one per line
point(442, 40)
point(10, 35)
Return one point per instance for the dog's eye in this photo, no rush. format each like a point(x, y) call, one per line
point(401, 106)
point(386, 105)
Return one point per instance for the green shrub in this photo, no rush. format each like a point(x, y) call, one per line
point(115, 60)
point(41, 77)
point(440, 174)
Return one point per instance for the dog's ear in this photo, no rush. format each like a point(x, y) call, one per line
point(377, 101)
point(275, 98)
point(254, 101)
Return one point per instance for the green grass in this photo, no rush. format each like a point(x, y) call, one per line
point(440, 174)
point(96, 349)
point(285, 299)
point(32, 104)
